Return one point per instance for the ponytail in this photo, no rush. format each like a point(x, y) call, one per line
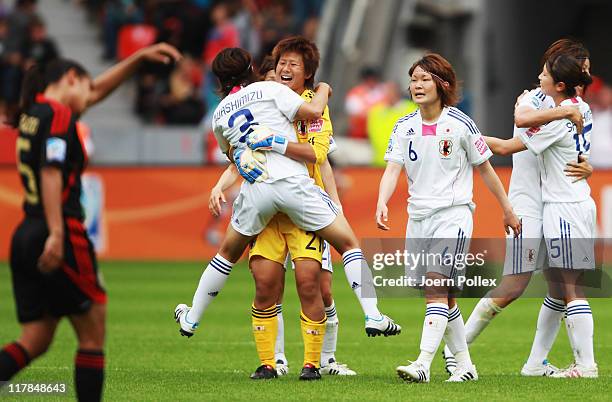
point(39, 77)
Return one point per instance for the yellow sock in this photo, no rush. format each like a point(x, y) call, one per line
point(313, 333)
point(265, 326)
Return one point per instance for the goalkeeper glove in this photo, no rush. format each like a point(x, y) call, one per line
point(262, 138)
point(251, 165)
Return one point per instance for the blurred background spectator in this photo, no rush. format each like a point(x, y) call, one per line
point(359, 100)
point(599, 97)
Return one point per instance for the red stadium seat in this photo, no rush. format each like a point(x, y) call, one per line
point(133, 38)
point(8, 135)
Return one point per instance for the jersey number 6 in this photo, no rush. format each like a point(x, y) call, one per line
point(411, 153)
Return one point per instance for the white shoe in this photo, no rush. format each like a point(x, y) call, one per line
point(450, 363)
point(577, 371)
point(464, 373)
point(332, 367)
point(381, 326)
point(180, 316)
point(282, 367)
point(414, 372)
point(543, 370)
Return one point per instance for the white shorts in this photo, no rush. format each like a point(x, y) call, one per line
point(306, 204)
point(442, 239)
point(326, 261)
point(569, 230)
point(526, 253)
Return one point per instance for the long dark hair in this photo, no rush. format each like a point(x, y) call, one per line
point(233, 67)
point(568, 69)
point(39, 77)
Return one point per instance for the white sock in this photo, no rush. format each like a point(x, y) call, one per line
point(549, 321)
point(211, 282)
point(454, 336)
point(434, 326)
point(360, 279)
point(279, 348)
point(480, 318)
point(331, 335)
point(580, 327)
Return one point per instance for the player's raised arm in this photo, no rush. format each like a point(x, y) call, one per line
point(388, 182)
point(109, 80)
point(314, 110)
point(497, 189)
point(525, 116)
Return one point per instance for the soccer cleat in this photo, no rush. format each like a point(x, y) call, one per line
point(264, 372)
point(381, 326)
point(309, 373)
point(282, 367)
point(543, 370)
point(414, 372)
point(464, 373)
point(450, 363)
point(332, 367)
point(577, 371)
point(180, 316)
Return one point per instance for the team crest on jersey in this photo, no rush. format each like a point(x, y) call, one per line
point(445, 147)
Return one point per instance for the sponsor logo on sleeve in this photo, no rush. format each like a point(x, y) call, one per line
point(532, 131)
point(481, 145)
point(56, 149)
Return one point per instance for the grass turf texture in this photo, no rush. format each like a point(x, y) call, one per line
point(147, 360)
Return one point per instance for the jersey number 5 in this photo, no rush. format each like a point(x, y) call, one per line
point(31, 194)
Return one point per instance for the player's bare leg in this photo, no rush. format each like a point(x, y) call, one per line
point(90, 328)
point(341, 236)
point(268, 276)
point(35, 339)
point(212, 281)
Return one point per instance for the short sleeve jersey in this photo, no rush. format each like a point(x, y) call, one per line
point(438, 159)
point(264, 103)
point(523, 194)
point(48, 137)
point(556, 144)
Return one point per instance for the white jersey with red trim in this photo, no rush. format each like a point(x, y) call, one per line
point(264, 103)
point(524, 193)
point(556, 144)
point(438, 159)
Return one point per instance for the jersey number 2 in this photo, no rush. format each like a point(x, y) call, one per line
point(245, 128)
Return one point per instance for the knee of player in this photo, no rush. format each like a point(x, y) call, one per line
point(308, 288)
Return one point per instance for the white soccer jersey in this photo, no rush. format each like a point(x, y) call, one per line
point(524, 194)
point(557, 143)
point(263, 103)
point(438, 159)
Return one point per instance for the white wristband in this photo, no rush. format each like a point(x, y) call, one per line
point(279, 144)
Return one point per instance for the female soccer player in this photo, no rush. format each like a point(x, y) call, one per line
point(439, 145)
point(53, 265)
point(569, 213)
point(296, 60)
point(260, 115)
point(527, 254)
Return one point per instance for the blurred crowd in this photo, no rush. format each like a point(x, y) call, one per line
point(182, 94)
point(23, 42)
point(599, 98)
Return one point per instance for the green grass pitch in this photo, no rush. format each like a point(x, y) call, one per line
point(147, 360)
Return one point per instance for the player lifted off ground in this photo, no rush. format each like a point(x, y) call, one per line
point(296, 60)
point(255, 119)
point(527, 253)
point(438, 145)
point(568, 216)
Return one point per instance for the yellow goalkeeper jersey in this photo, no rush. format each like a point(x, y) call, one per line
point(317, 133)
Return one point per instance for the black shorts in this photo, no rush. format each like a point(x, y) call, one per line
point(71, 289)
